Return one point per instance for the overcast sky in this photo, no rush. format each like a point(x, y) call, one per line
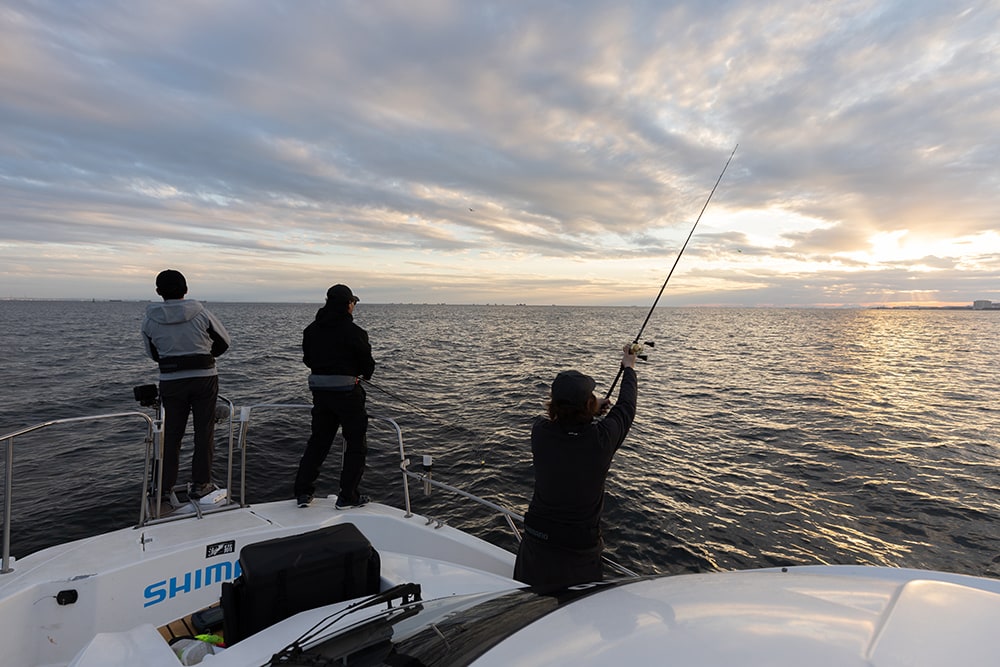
point(502, 152)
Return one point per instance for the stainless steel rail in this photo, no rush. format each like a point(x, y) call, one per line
point(239, 427)
point(151, 512)
point(423, 477)
point(8, 440)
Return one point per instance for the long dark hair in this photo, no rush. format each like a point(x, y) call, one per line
point(330, 309)
point(574, 413)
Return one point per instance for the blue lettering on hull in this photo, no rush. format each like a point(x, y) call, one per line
point(188, 582)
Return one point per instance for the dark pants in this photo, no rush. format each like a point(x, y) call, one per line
point(180, 398)
point(332, 410)
point(540, 563)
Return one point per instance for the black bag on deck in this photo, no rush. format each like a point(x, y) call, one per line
point(281, 577)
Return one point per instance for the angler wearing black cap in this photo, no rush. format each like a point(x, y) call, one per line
point(184, 338)
point(338, 353)
point(572, 453)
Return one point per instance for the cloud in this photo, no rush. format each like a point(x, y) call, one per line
point(508, 140)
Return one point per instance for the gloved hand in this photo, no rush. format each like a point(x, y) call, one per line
point(628, 357)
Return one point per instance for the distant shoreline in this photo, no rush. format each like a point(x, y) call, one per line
point(975, 306)
point(995, 306)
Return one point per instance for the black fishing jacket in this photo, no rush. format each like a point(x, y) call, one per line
point(571, 464)
point(334, 345)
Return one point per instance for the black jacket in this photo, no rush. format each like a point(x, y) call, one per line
point(334, 345)
point(571, 464)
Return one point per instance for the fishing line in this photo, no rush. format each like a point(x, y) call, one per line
point(465, 432)
point(635, 343)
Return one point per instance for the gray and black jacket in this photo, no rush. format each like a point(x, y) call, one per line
point(184, 338)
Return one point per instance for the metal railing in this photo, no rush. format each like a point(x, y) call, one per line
point(150, 510)
point(8, 440)
point(404, 461)
point(424, 476)
point(237, 437)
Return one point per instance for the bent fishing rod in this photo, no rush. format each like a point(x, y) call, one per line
point(635, 343)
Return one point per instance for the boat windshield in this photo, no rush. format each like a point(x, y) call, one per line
point(446, 631)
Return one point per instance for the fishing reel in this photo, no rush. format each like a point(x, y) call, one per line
point(638, 349)
point(147, 395)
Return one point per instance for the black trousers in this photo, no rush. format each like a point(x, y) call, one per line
point(180, 398)
point(332, 410)
point(540, 563)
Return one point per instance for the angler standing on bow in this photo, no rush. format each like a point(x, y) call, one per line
point(572, 452)
point(339, 355)
point(184, 338)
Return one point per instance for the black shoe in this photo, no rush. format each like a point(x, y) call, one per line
point(304, 500)
point(360, 502)
point(201, 490)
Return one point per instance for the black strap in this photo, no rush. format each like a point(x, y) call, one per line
point(187, 362)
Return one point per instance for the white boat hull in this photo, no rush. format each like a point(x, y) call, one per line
point(111, 600)
point(159, 573)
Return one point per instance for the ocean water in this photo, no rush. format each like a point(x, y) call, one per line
point(763, 436)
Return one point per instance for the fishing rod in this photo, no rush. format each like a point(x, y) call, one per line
point(636, 347)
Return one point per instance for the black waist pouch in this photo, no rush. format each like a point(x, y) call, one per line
point(187, 362)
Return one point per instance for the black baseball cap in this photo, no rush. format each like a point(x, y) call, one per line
point(341, 294)
point(572, 387)
point(171, 281)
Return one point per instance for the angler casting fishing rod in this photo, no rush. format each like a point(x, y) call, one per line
point(636, 347)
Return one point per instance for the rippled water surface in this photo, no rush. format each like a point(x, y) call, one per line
point(763, 437)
